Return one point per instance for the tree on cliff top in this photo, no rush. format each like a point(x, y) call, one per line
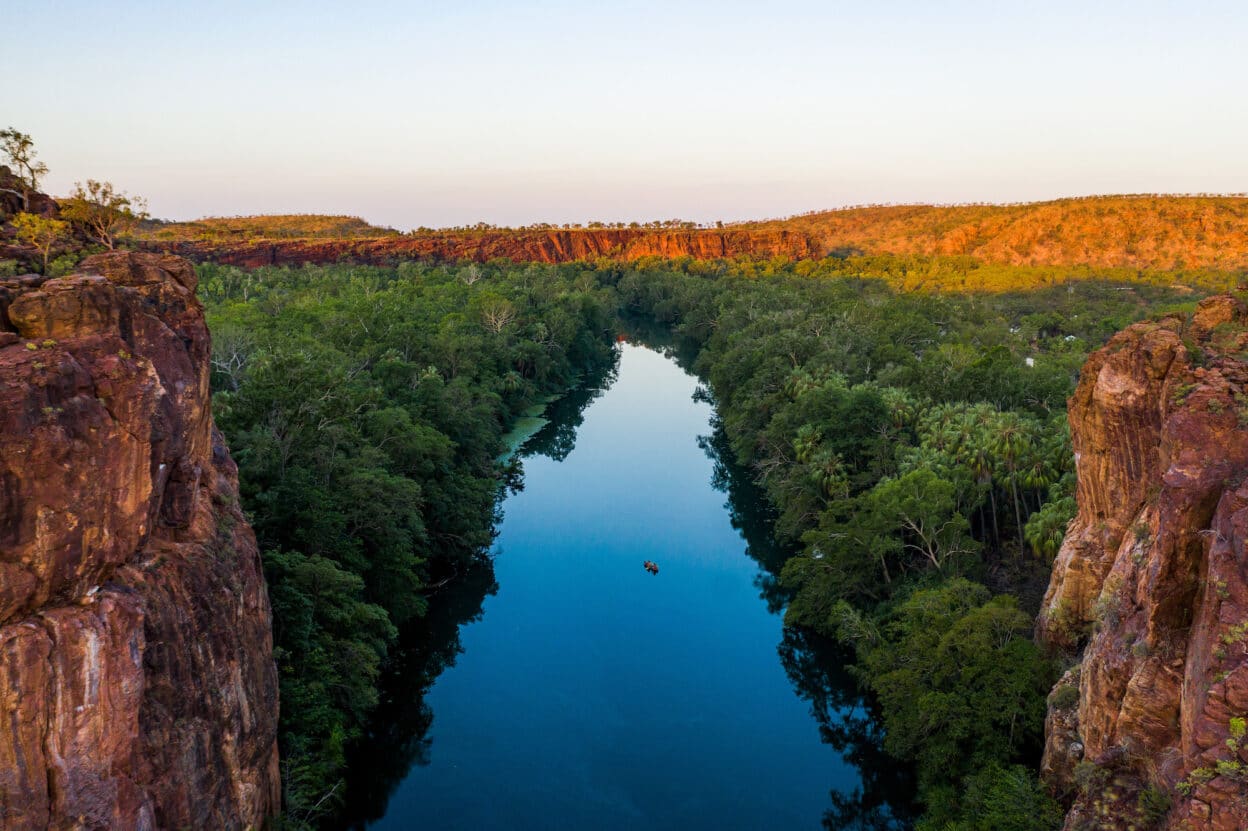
point(19, 148)
point(102, 212)
point(40, 232)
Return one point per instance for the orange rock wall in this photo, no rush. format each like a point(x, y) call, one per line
point(137, 682)
point(1143, 232)
point(520, 246)
point(1153, 577)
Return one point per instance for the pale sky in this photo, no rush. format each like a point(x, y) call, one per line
point(441, 113)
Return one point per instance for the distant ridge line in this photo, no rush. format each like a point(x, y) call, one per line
point(1140, 231)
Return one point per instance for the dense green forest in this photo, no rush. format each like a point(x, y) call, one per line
point(367, 410)
point(913, 446)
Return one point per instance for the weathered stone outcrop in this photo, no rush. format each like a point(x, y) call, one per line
point(16, 196)
point(137, 685)
point(1153, 577)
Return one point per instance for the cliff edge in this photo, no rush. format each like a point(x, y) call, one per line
point(138, 687)
point(1132, 232)
point(1148, 730)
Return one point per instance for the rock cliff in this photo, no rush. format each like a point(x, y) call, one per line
point(137, 684)
point(521, 246)
point(1148, 731)
point(1134, 232)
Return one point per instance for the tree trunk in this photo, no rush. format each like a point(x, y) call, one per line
point(996, 532)
point(1018, 517)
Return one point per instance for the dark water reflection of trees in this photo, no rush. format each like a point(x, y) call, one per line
point(567, 414)
point(398, 737)
point(817, 667)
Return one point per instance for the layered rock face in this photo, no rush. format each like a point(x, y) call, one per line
point(137, 685)
point(1155, 232)
point(520, 246)
point(1153, 575)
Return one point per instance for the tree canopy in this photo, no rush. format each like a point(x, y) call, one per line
point(101, 212)
point(19, 150)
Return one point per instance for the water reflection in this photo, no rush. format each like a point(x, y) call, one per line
point(554, 716)
point(817, 667)
point(397, 738)
point(751, 515)
point(567, 414)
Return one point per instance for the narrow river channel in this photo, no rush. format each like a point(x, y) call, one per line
point(580, 691)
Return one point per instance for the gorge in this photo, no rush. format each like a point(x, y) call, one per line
point(489, 416)
point(847, 416)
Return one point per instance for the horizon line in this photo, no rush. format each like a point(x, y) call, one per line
point(691, 225)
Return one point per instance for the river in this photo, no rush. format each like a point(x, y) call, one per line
point(572, 689)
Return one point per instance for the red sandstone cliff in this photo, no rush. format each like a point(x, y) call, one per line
point(1157, 232)
point(138, 687)
point(520, 246)
point(1153, 573)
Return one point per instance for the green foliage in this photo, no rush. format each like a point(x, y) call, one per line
point(1153, 803)
point(64, 264)
point(1046, 528)
point(39, 232)
point(246, 228)
point(1181, 392)
point(997, 798)
point(1090, 777)
point(909, 442)
point(366, 411)
point(1066, 698)
point(330, 644)
point(959, 681)
point(19, 151)
point(101, 212)
point(1229, 768)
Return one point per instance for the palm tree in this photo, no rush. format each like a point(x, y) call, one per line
point(1012, 443)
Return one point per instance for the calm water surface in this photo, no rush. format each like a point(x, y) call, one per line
point(582, 692)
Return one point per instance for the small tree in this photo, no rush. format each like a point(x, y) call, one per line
point(471, 274)
point(19, 148)
point(40, 232)
point(496, 312)
point(103, 212)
